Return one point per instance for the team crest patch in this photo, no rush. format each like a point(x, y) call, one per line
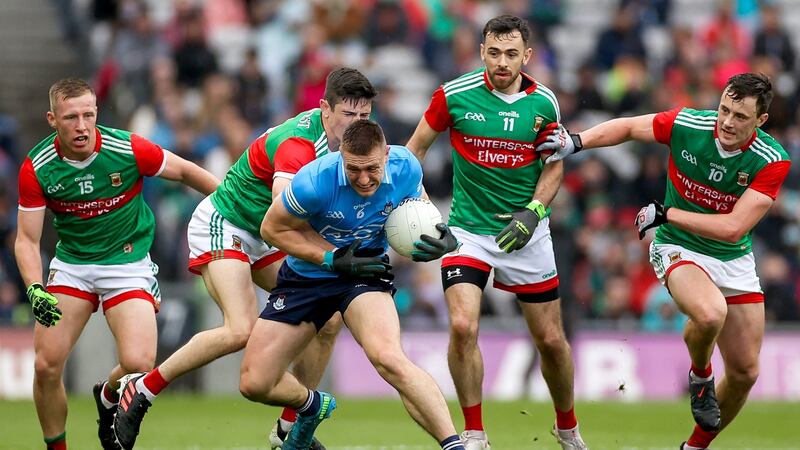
point(279, 303)
point(51, 276)
point(674, 257)
point(743, 179)
point(127, 248)
point(237, 243)
point(387, 209)
point(537, 123)
point(116, 179)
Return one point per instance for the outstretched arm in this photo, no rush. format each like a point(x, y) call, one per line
point(558, 143)
point(617, 131)
point(188, 173)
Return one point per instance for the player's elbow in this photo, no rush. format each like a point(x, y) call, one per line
point(732, 233)
point(267, 231)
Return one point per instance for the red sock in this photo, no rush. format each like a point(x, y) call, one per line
point(154, 382)
point(110, 394)
point(472, 417)
point(289, 414)
point(566, 420)
point(701, 438)
point(702, 373)
point(57, 443)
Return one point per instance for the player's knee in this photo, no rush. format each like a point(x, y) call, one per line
point(463, 331)
point(390, 363)
point(137, 362)
point(48, 369)
point(238, 333)
point(553, 344)
point(744, 375)
point(710, 318)
point(253, 387)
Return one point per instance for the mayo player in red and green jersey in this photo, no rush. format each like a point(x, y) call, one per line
point(90, 177)
point(501, 191)
point(227, 249)
point(724, 174)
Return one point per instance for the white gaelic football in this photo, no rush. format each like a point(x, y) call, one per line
point(412, 218)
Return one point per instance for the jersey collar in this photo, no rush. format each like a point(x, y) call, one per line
point(727, 154)
point(510, 98)
point(527, 91)
point(98, 141)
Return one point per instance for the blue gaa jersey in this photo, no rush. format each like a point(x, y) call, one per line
point(321, 194)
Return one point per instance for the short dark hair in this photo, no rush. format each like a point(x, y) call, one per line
point(346, 84)
point(755, 85)
point(507, 24)
point(361, 137)
point(67, 88)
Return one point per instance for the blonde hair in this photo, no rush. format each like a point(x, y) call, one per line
point(68, 88)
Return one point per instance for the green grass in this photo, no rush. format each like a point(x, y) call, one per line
point(189, 423)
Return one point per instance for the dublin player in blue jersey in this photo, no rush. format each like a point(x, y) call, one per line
point(329, 221)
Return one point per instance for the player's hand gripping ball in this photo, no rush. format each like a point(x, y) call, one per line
point(412, 218)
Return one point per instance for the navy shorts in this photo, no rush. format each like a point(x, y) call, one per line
point(298, 299)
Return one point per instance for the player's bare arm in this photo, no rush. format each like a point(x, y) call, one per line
point(278, 185)
point(293, 235)
point(728, 227)
point(26, 246)
point(422, 139)
point(189, 173)
point(549, 182)
point(617, 131)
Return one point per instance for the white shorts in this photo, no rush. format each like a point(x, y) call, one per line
point(212, 237)
point(736, 279)
point(530, 270)
point(106, 284)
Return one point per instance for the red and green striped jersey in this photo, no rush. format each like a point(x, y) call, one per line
point(100, 215)
point(246, 192)
point(705, 178)
point(495, 167)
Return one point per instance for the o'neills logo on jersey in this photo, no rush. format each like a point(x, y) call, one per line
point(493, 152)
point(700, 194)
point(94, 208)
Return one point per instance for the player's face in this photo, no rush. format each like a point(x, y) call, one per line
point(366, 172)
point(338, 118)
point(504, 56)
point(737, 120)
point(74, 120)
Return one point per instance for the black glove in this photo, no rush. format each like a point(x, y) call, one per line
point(651, 216)
point(342, 260)
point(44, 306)
point(429, 248)
point(518, 233)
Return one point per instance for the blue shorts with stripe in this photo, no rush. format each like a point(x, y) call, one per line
point(298, 299)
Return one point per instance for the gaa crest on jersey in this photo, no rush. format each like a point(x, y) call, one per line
point(674, 257)
point(387, 209)
point(237, 243)
point(116, 179)
point(743, 179)
point(537, 123)
point(127, 248)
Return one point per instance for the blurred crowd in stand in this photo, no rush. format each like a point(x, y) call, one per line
point(203, 78)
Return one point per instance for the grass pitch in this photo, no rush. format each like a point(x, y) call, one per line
point(233, 423)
